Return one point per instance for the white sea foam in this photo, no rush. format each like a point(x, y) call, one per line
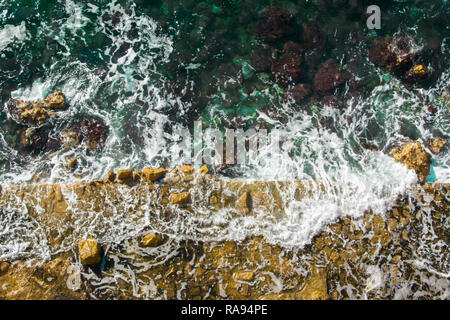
point(11, 33)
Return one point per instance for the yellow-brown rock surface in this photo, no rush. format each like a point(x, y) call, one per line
point(152, 240)
point(336, 265)
point(89, 251)
point(413, 156)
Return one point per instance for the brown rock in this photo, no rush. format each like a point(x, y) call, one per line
point(111, 176)
point(274, 24)
point(152, 240)
point(382, 54)
point(89, 251)
point(180, 198)
point(243, 275)
point(328, 77)
point(288, 68)
point(55, 100)
point(315, 287)
point(4, 266)
point(299, 92)
point(414, 157)
point(244, 203)
point(312, 37)
point(333, 101)
point(154, 174)
point(262, 58)
point(57, 279)
point(71, 162)
point(124, 174)
point(393, 53)
point(436, 144)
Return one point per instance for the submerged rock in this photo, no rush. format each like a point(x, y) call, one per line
point(34, 139)
point(288, 68)
point(382, 53)
point(35, 113)
point(413, 156)
point(314, 42)
point(262, 58)
point(91, 131)
point(333, 101)
point(312, 37)
point(399, 55)
point(274, 24)
point(328, 77)
point(299, 92)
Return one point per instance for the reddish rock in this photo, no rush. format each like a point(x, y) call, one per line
point(381, 53)
point(299, 92)
point(314, 43)
point(393, 53)
point(34, 140)
point(293, 47)
point(312, 37)
point(333, 101)
point(262, 58)
point(288, 69)
point(274, 24)
point(328, 77)
point(94, 132)
point(91, 131)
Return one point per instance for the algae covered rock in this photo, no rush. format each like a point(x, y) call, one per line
point(413, 156)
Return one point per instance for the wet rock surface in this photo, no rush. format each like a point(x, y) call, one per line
point(35, 113)
point(346, 260)
point(413, 156)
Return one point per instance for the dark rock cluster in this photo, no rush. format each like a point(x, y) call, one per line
point(42, 127)
point(293, 54)
point(400, 56)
